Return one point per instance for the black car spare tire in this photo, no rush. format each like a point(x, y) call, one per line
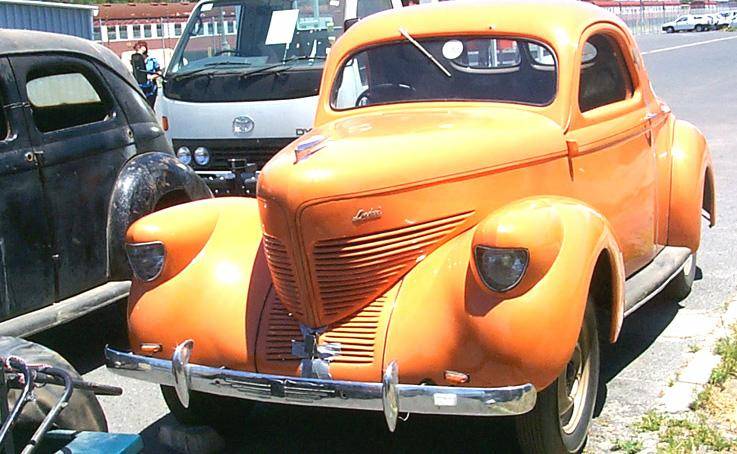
point(83, 411)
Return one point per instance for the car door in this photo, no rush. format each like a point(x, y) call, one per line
point(612, 159)
point(682, 23)
point(26, 271)
point(83, 139)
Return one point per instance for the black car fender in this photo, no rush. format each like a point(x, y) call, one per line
point(146, 183)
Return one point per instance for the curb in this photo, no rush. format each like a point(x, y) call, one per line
point(691, 379)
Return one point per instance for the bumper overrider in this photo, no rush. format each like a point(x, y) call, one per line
point(388, 396)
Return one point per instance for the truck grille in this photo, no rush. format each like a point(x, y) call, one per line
point(282, 275)
point(256, 151)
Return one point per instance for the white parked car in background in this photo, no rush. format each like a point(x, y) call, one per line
point(688, 22)
point(724, 19)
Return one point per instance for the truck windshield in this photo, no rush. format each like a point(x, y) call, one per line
point(447, 69)
point(258, 34)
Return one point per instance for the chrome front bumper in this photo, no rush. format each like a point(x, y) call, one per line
point(388, 396)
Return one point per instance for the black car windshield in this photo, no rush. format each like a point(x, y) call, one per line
point(257, 33)
point(447, 69)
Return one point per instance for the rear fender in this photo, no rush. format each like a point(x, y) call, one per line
point(691, 178)
point(213, 285)
point(141, 184)
point(445, 319)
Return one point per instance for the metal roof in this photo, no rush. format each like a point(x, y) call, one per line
point(50, 4)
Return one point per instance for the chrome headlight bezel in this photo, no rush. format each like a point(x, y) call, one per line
point(521, 256)
point(201, 156)
point(184, 155)
point(137, 259)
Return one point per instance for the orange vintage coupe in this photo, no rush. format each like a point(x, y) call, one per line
point(489, 189)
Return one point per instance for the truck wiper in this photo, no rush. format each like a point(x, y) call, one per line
point(207, 67)
point(424, 51)
point(279, 67)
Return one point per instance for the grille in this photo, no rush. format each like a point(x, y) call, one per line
point(256, 151)
point(282, 274)
point(352, 271)
point(356, 335)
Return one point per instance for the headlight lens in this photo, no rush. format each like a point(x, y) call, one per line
point(202, 156)
point(501, 269)
point(146, 259)
point(184, 155)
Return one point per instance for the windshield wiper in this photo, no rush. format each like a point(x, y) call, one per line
point(207, 67)
point(424, 51)
point(279, 67)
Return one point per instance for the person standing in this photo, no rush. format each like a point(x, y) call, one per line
point(145, 70)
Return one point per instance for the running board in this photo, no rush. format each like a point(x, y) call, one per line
point(647, 282)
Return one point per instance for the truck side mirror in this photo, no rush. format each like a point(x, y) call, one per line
point(349, 23)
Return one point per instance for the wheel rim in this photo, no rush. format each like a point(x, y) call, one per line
point(573, 384)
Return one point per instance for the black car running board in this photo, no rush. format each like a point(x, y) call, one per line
point(646, 283)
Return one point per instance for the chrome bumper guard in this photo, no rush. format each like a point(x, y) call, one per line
point(388, 396)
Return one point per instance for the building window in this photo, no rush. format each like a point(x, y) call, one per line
point(112, 35)
point(230, 27)
point(136, 31)
point(123, 32)
point(148, 31)
point(96, 35)
point(177, 30)
point(159, 30)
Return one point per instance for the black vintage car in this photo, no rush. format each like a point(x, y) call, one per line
point(81, 157)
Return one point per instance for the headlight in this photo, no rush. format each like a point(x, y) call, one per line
point(202, 156)
point(184, 155)
point(501, 269)
point(146, 259)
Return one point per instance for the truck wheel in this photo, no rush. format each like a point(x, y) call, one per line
point(680, 286)
point(669, 29)
point(560, 421)
point(83, 411)
point(221, 413)
point(699, 28)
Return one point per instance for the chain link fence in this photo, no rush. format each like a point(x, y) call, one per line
point(649, 19)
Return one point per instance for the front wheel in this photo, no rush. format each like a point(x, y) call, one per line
point(560, 421)
point(223, 414)
point(669, 29)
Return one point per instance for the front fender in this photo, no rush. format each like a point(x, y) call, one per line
point(141, 183)
point(213, 286)
point(444, 319)
point(691, 174)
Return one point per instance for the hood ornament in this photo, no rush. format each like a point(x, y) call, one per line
point(305, 148)
point(367, 215)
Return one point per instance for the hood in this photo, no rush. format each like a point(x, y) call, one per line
point(378, 192)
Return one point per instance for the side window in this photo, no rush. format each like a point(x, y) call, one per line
point(605, 78)
point(65, 98)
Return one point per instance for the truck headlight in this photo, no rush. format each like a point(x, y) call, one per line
point(202, 156)
point(146, 259)
point(184, 155)
point(501, 269)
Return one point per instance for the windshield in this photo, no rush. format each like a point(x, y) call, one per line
point(449, 68)
point(259, 33)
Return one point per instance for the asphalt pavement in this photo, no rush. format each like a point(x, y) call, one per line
point(695, 74)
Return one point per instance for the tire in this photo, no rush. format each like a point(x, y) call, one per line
point(680, 286)
point(83, 411)
point(224, 414)
point(550, 429)
point(699, 28)
point(669, 29)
